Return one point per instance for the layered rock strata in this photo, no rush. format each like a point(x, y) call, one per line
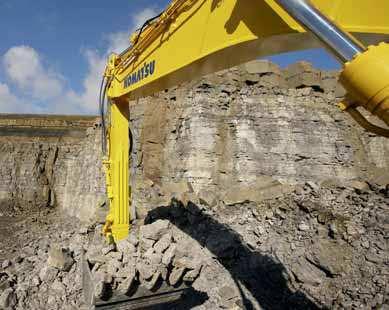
point(228, 131)
point(50, 162)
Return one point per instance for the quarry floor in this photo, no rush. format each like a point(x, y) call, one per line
point(314, 248)
point(18, 231)
point(278, 207)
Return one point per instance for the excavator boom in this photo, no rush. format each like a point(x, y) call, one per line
point(195, 37)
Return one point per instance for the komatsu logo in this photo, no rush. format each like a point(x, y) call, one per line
point(148, 69)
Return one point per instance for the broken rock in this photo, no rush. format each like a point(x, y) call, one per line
point(330, 256)
point(191, 275)
point(176, 275)
point(146, 271)
point(125, 246)
point(102, 284)
point(168, 256)
point(48, 274)
point(163, 243)
point(155, 230)
point(307, 273)
point(60, 258)
point(152, 283)
point(130, 276)
point(7, 299)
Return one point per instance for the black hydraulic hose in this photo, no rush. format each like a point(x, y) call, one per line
point(131, 138)
point(102, 96)
point(103, 89)
point(146, 23)
point(102, 115)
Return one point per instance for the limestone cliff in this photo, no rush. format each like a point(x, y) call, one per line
point(232, 134)
point(225, 131)
point(215, 169)
point(50, 161)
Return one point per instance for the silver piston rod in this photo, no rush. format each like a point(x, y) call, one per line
point(340, 43)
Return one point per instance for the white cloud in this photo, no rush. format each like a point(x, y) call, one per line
point(92, 81)
point(117, 42)
point(142, 16)
point(9, 103)
point(43, 90)
point(7, 100)
point(40, 90)
point(24, 67)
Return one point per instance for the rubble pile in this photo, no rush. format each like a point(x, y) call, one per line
point(40, 255)
point(248, 186)
point(316, 247)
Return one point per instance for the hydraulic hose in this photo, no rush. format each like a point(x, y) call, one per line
point(102, 103)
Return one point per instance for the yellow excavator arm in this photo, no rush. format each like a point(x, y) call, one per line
point(196, 37)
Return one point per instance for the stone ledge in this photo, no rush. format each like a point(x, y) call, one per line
point(46, 125)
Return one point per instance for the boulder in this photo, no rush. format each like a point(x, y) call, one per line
point(168, 256)
point(130, 276)
point(6, 263)
point(48, 274)
point(303, 226)
point(8, 299)
point(176, 275)
point(60, 258)
point(208, 198)
point(261, 67)
point(58, 288)
point(307, 273)
point(359, 186)
point(153, 281)
point(146, 270)
point(262, 189)
point(302, 74)
point(163, 243)
point(125, 246)
point(94, 254)
point(329, 80)
point(155, 230)
point(332, 257)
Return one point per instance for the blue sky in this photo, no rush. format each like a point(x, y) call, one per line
point(52, 51)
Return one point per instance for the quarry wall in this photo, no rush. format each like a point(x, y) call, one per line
point(230, 148)
point(228, 135)
point(226, 132)
point(49, 161)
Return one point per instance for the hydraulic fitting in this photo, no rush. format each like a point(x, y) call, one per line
point(366, 79)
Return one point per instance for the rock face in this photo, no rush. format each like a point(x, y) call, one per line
point(226, 134)
point(225, 131)
point(46, 162)
point(249, 186)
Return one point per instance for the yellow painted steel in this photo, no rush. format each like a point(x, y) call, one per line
point(366, 79)
point(116, 168)
point(196, 37)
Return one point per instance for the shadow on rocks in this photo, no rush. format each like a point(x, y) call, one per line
point(262, 275)
point(190, 299)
